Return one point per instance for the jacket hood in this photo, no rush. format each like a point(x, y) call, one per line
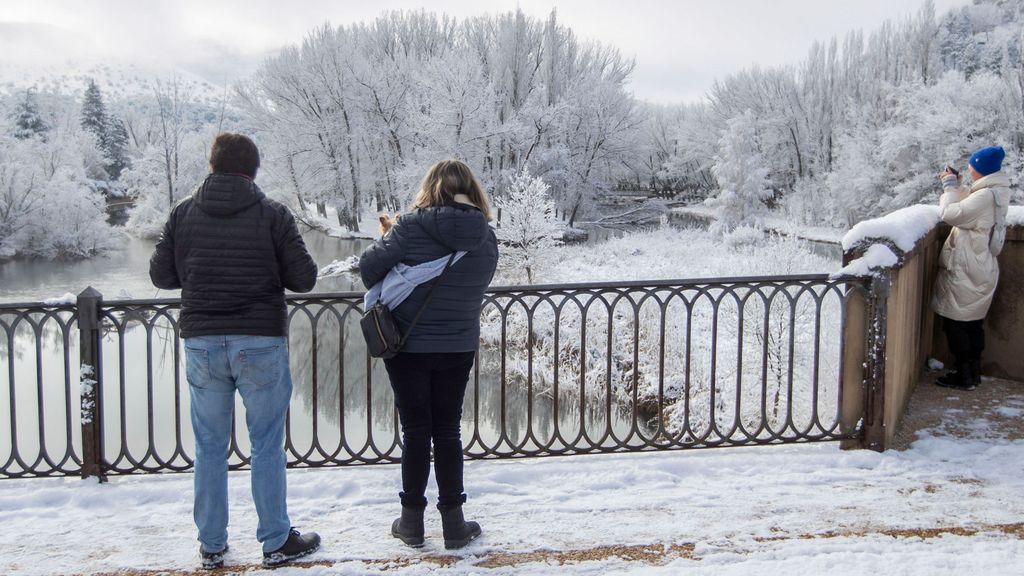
point(226, 194)
point(993, 180)
point(458, 227)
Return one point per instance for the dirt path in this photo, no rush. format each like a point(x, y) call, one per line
point(651, 554)
point(994, 410)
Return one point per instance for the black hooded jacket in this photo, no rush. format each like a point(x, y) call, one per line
point(233, 252)
point(451, 321)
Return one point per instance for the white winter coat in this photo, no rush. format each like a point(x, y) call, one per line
point(968, 271)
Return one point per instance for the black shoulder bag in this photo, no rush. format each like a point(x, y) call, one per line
point(381, 332)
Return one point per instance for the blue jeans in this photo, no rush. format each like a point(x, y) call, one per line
point(256, 366)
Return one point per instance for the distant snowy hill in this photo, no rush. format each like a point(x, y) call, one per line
point(54, 59)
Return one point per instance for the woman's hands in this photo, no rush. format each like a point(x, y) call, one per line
point(949, 178)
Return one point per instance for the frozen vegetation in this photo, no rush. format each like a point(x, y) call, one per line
point(641, 344)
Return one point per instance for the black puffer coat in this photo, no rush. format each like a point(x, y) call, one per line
point(451, 321)
point(233, 252)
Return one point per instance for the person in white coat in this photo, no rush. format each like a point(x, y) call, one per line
point(968, 269)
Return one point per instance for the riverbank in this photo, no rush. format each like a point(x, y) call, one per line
point(950, 504)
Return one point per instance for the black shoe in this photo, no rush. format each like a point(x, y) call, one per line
point(409, 528)
point(959, 379)
point(212, 560)
point(457, 532)
point(297, 546)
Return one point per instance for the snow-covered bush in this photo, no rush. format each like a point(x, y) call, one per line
point(528, 228)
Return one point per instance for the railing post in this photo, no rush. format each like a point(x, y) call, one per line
point(874, 365)
point(89, 302)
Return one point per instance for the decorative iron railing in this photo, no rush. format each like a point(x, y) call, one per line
point(97, 388)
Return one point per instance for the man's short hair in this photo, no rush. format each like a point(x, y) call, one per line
point(234, 154)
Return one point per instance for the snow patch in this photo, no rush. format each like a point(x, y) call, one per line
point(86, 390)
point(66, 299)
point(339, 267)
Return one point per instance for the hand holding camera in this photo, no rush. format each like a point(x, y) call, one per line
point(950, 178)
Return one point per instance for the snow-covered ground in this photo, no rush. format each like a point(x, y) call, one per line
point(946, 506)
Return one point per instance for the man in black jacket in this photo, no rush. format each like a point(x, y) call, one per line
point(233, 252)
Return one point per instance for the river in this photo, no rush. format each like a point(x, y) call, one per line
point(124, 273)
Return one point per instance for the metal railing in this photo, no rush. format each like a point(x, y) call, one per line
point(573, 369)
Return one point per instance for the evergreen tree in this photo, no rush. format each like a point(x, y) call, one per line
point(111, 135)
point(28, 123)
point(115, 149)
point(94, 113)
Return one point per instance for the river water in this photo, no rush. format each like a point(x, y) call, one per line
point(342, 404)
point(124, 273)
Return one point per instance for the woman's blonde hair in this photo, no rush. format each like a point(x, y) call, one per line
point(446, 179)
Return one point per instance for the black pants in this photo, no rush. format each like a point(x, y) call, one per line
point(966, 339)
point(429, 389)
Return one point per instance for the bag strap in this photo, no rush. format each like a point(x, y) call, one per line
point(430, 294)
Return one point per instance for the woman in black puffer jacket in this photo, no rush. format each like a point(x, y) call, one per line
point(429, 376)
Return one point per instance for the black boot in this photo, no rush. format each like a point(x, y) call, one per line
point(409, 527)
point(457, 532)
point(976, 373)
point(959, 379)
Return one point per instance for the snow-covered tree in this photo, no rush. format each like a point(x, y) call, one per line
point(742, 177)
point(48, 208)
point(147, 179)
point(94, 112)
point(27, 121)
point(527, 228)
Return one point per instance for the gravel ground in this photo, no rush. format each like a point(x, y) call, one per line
point(993, 410)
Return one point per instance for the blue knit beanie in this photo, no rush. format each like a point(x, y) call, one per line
point(988, 160)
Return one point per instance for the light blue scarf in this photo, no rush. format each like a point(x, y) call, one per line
point(402, 280)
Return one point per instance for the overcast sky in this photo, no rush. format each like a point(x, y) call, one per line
point(680, 46)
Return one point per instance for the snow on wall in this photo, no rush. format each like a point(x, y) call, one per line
point(903, 227)
point(877, 256)
point(1015, 217)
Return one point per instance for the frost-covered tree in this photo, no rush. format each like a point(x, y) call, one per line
point(527, 228)
point(742, 177)
point(28, 123)
point(48, 207)
point(354, 115)
point(108, 130)
point(94, 112)
point(148, 177)
point(861, 126)
point(115, 148)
